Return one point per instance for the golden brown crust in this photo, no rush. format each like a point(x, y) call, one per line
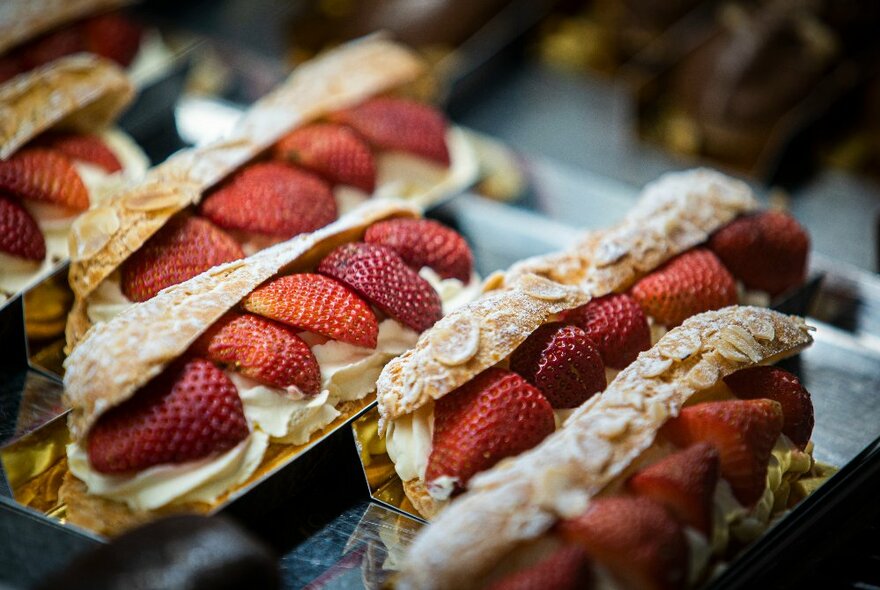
point(341, 77)
point(157, 331)
point(468, 341)
point(79, 92)
point(520, 498)
point(421, 500)
point(22, 20)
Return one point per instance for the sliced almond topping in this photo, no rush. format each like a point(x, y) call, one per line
point(703, 375)
point(654, 367)
point(731, 353)
point(609, 252)
point(743, 341)
point(679, 347)
point(455, 341)
point(91, 231)
point(541, 288)
point(155, 197)
point(611, 427)
point(764, 330)
point(656, 411)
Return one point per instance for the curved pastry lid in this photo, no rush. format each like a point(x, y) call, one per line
point(520, 498)
point(22, 20)
point(119, 356)
point(80, 93)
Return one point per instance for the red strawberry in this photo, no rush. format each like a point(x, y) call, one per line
point(379, 275)
point(423, 242)
point(684, 483)
point(494, 415)
point(562, 362)
point(52, 46)
point(743, 431)
point(766, 251)
point(783, 387)
point(689, 284)
point(185, 247)
point(640, 544)
point(399, 125)
point(567, 568)
point(616, 324)
point(9, 68)
point(113, 36)
point(20, 235)
point(333, 152)
point(44, 175)
point(262, 350)
point(317, 304)
point(85, 148)
point(190, 411)
point(272, 199)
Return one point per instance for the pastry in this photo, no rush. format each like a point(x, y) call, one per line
point(690, 450)
point(59, 155)
point(323, 142)
point(36, 32)
point(182, 399)
point(497, 376)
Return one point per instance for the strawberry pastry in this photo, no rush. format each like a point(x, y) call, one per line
point(297, 351)
point(555, 360)
point(50, 177)
point(685, 458)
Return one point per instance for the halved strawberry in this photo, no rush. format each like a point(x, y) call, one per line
point(54, 45)
point(616, 324)
point(494, 415)
point(263, 350)
point(562, 362)
point(400, 125)
point(783, 387)
point(689, 284)
point(332, 151)
point(190, 411)
point(20, 235)
point(185, 247)
point(684, 483)
point(567, 568)
point(743, 431)
point(44, 175)
point(113, 36)
point(639, 543)
point(423, 242)
point(766, 251)
point(379, 275)
point(318, 304)
point(271, 199)
point(85, 148)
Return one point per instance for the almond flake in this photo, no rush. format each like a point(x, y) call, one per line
point(455, 340)
point(654, 367)
point(703, 375)
point(92, 231)
point(155, 197)
point(764, 330)
point(679, 345)
point(541, 288)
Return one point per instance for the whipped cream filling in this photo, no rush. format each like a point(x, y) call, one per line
point(151, 60)
point(204, 480)
point(17, 274)
point(453, 293)
point(107, 301)
point(348, 373)
point(747, 296)
point(407, 176)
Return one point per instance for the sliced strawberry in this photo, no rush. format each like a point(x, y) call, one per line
point(332, 151)
point(684, 483)
point(52, 46)
point(185, 247)
point(783, 387)
point(272, 199)
point(44, 175)
point(562, 362)
point(766, 251)
point(639, 543)
point(743, 431)
point(318, 304)
point(380, 276)
point(689, 284)
point(400, 125)
point(567, 568)
point(423, 242)
point(85, 148)
point(190, 411)
point(494, 415)
point(20, 235)
point(113, 36)
point(616, 324)
point(263, 350)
